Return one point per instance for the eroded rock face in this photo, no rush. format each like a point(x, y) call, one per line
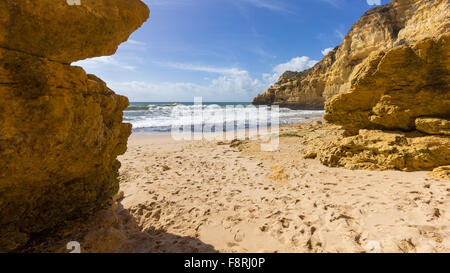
point(299, 90)
point(433, 126)
point(388, 87)
point(393, 88)
point(441, 172)
point(60, 129)
point(63, 33)
point(404, 88)
point(400, 22)
point(374, 149)
point(380, 150)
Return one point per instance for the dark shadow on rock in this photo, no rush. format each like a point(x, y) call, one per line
point(157, 241)
point(111, 231)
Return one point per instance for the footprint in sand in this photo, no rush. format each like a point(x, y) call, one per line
point(239, 236)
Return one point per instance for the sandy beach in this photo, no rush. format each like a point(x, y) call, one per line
point(239, 199)
point(90, 92)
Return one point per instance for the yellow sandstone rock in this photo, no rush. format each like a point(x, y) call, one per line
point(388, 80)
point(403, 88)
point(400, 22)
point(381, 150)
point(433, 126)
point(63, 33)
point(302, 90)
point(60, 129)
point(393, 88)
point(441, 172)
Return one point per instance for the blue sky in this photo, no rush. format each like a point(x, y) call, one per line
point(223, 50)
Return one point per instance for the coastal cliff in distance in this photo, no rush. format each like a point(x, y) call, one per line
point(300, 90)
point(61, 130)
point(400, 22)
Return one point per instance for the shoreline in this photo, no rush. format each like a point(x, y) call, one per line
point(158, 118)
point(264, 128)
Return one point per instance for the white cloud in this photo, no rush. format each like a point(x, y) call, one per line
point(373, 2)
point(295, 64)
point(96, 63)
point(334, 3)
point(339, 34)
point(134, 42)
point(168, 3)
point(267, 4)
point(201, 68)
point(261, 52)
point(233, 84)
point(272, 5)
point(326, 51)
point(228, 84)
point(132, 46)
point(227, 87)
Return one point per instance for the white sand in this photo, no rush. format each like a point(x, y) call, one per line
point(230, 201)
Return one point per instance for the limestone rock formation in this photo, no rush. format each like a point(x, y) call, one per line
point(403, 90)
point(379, 150)
point(299, 90)
point(400, 22)
point(393, 88)
point(387, 86)
point(374, 149)
point(94, 28)
point(441, 172)
point(433, 126)
point(60, 129)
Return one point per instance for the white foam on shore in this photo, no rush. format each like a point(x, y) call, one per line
point(160, 118)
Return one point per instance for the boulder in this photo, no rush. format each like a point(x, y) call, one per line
point(383, 150)
point(442, 172)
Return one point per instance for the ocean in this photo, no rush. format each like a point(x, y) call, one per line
point(154, 118)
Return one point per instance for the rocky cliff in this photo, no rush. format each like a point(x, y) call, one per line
point(394, 87)
point(60, 129)
point(300, 90)
point(395, 107)
point(401, 22)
